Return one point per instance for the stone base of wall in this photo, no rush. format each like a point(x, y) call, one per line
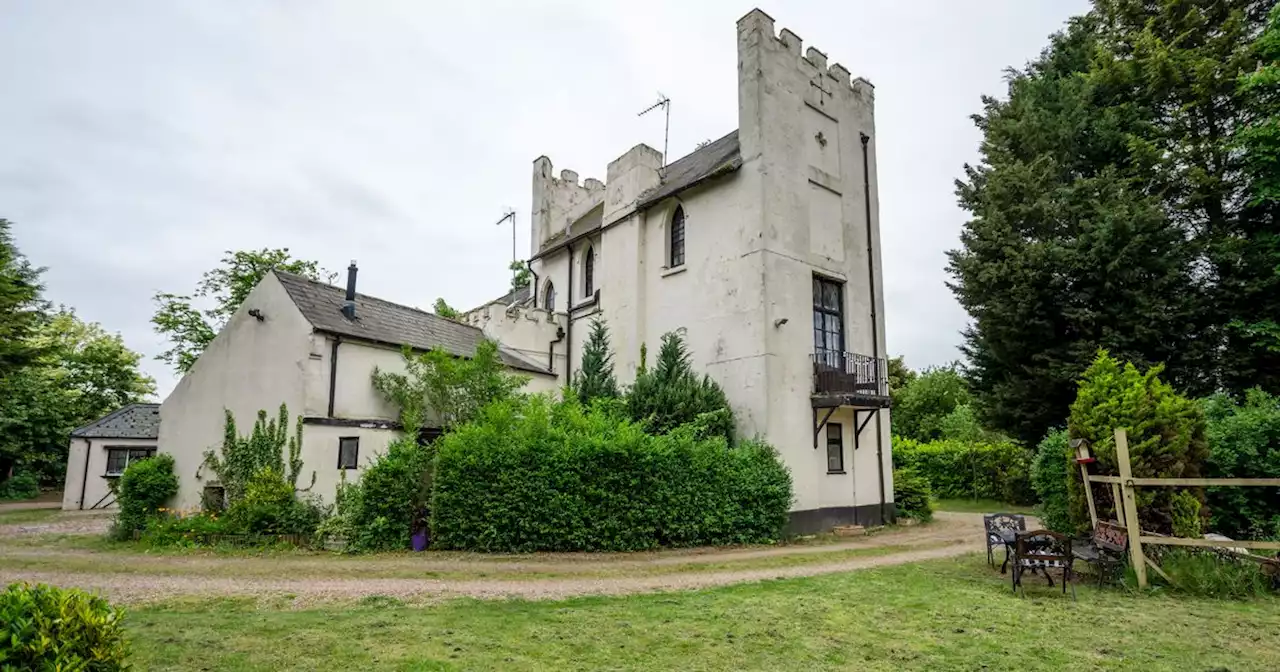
point(814, 521)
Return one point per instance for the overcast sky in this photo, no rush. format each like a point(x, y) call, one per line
point(141, 139)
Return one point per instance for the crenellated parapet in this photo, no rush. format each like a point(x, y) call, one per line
point(558, 201)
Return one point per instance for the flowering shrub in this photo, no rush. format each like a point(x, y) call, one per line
point(172, 527)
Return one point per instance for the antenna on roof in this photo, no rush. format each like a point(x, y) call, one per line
point(665, 103)
point(511, 215)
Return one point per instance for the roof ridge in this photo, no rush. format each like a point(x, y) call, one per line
point(368, 297)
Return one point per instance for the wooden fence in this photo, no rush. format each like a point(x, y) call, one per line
point(1123, 489)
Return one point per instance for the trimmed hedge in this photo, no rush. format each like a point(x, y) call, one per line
point(911, 494)
point(537, 475)
point(958, 470)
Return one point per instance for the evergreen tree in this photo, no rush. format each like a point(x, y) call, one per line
point(21, 307)
point(671, 395)
point(595, 379)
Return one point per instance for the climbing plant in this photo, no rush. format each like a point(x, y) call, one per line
point(269, 446)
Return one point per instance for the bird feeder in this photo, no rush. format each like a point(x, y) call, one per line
point(1083, 456)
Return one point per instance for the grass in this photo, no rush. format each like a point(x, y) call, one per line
point(981, 506)
point(947, 614)
point(19, 516)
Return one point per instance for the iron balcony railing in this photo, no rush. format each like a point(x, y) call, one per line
point(837, 372)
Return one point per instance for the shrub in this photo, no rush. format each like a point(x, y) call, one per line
point(672, 395)
point(922, 405)
point(1166, 434)
point(533, 474)
point(172, 528)
point(1184, 509)
point(1244, 442)
point(1049, 477)
point(270, 506)
point(1211, 574)
point(911, 495)
point(22, 485)
point(390, 502)
point(46, 628)
point(242, 457)
point(144, 487)
point(957, 470)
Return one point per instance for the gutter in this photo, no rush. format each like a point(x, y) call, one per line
point(84, 478)
point(875, 328)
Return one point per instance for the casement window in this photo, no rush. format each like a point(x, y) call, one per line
point(828, 320)
point(348, 452)
point(835, 448)
point(119, 458)
point(589, 273)
point(549, 297)
point(676, 241)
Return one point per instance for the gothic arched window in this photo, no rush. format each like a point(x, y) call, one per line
point(589, 273)
point(676, 240)
point(549, 297)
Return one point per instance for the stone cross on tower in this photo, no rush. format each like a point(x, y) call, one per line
point(823, 94)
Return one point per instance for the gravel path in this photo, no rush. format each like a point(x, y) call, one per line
point(953, 534)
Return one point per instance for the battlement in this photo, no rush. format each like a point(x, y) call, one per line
point(757, 27)
point(558, 201)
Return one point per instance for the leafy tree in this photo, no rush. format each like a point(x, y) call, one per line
point(445, 310)
point(595, 379)
point(900, 375)
point(451, 390)
point(1244, 441)
point(21, 306)
point(81, 373)
point(1081, 234)
point(190, 329)
point(521, 275)
point(1166, 435)
point(671, 395)
point(924, 403)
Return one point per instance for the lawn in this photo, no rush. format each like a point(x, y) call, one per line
point(982, 506)
point(946, 614)
point(22, 516)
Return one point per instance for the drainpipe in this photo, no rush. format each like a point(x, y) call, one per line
point(84, 478)
point(568, 343)
point(875, 328)
point(551, 350)
point(333, 372)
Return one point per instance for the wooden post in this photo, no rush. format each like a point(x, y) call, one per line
point(1134, 526)
point(1088, 494)
point(1118, 502)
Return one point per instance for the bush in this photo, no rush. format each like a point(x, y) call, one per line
point(22, 485)
point(1211, 574)
point(47, 628)
point(1166, 434)
point(536, 475)
point(1244, 442)
point(270, 506)
point(671, 395)
point(144, 487)
point(172, 528)
point(1049, 474)
point(958, 470)
point(921, 408)
point(1184, 508)
point(390, 502)
point(911, 495)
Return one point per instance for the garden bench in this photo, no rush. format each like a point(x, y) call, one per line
point(1105, 549)
point(1043, 550)
point(1001, 529)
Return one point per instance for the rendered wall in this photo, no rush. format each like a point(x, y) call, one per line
point(97, 486)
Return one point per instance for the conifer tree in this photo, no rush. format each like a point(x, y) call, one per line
point(595, 379)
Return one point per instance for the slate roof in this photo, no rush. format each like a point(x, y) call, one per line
point(514, 296)
point(135, 421)
point(711, 160)
point(388, 323)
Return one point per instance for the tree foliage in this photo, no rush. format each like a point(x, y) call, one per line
point(445, 310)
point(595, 379)
point(900, 375)
point(1166, 436)
point(521, 275)
point(1049, 475)
point(923, 405)
point(439, 387)
point(189, 329)
point(1110, 210)
point(671, 394)
point(21, 306)
point(1244, 442)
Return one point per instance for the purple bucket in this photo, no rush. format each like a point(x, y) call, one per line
point(419, 540)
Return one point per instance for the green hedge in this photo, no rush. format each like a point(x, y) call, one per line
point(48, 628)
point(912, 496)
point(958, 470)
point(537, 475)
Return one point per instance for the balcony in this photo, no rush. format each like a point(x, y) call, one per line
point(849, 379)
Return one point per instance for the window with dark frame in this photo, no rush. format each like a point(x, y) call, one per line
point(119, 458)
point(677, 238)
point(835, 448)
point(348, 452)
point(589, 273)
point(549, 298)
point(828, 320)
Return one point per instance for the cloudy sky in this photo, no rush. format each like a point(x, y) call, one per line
point(139, 139)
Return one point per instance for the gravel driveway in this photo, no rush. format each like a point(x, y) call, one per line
point(310, 579)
